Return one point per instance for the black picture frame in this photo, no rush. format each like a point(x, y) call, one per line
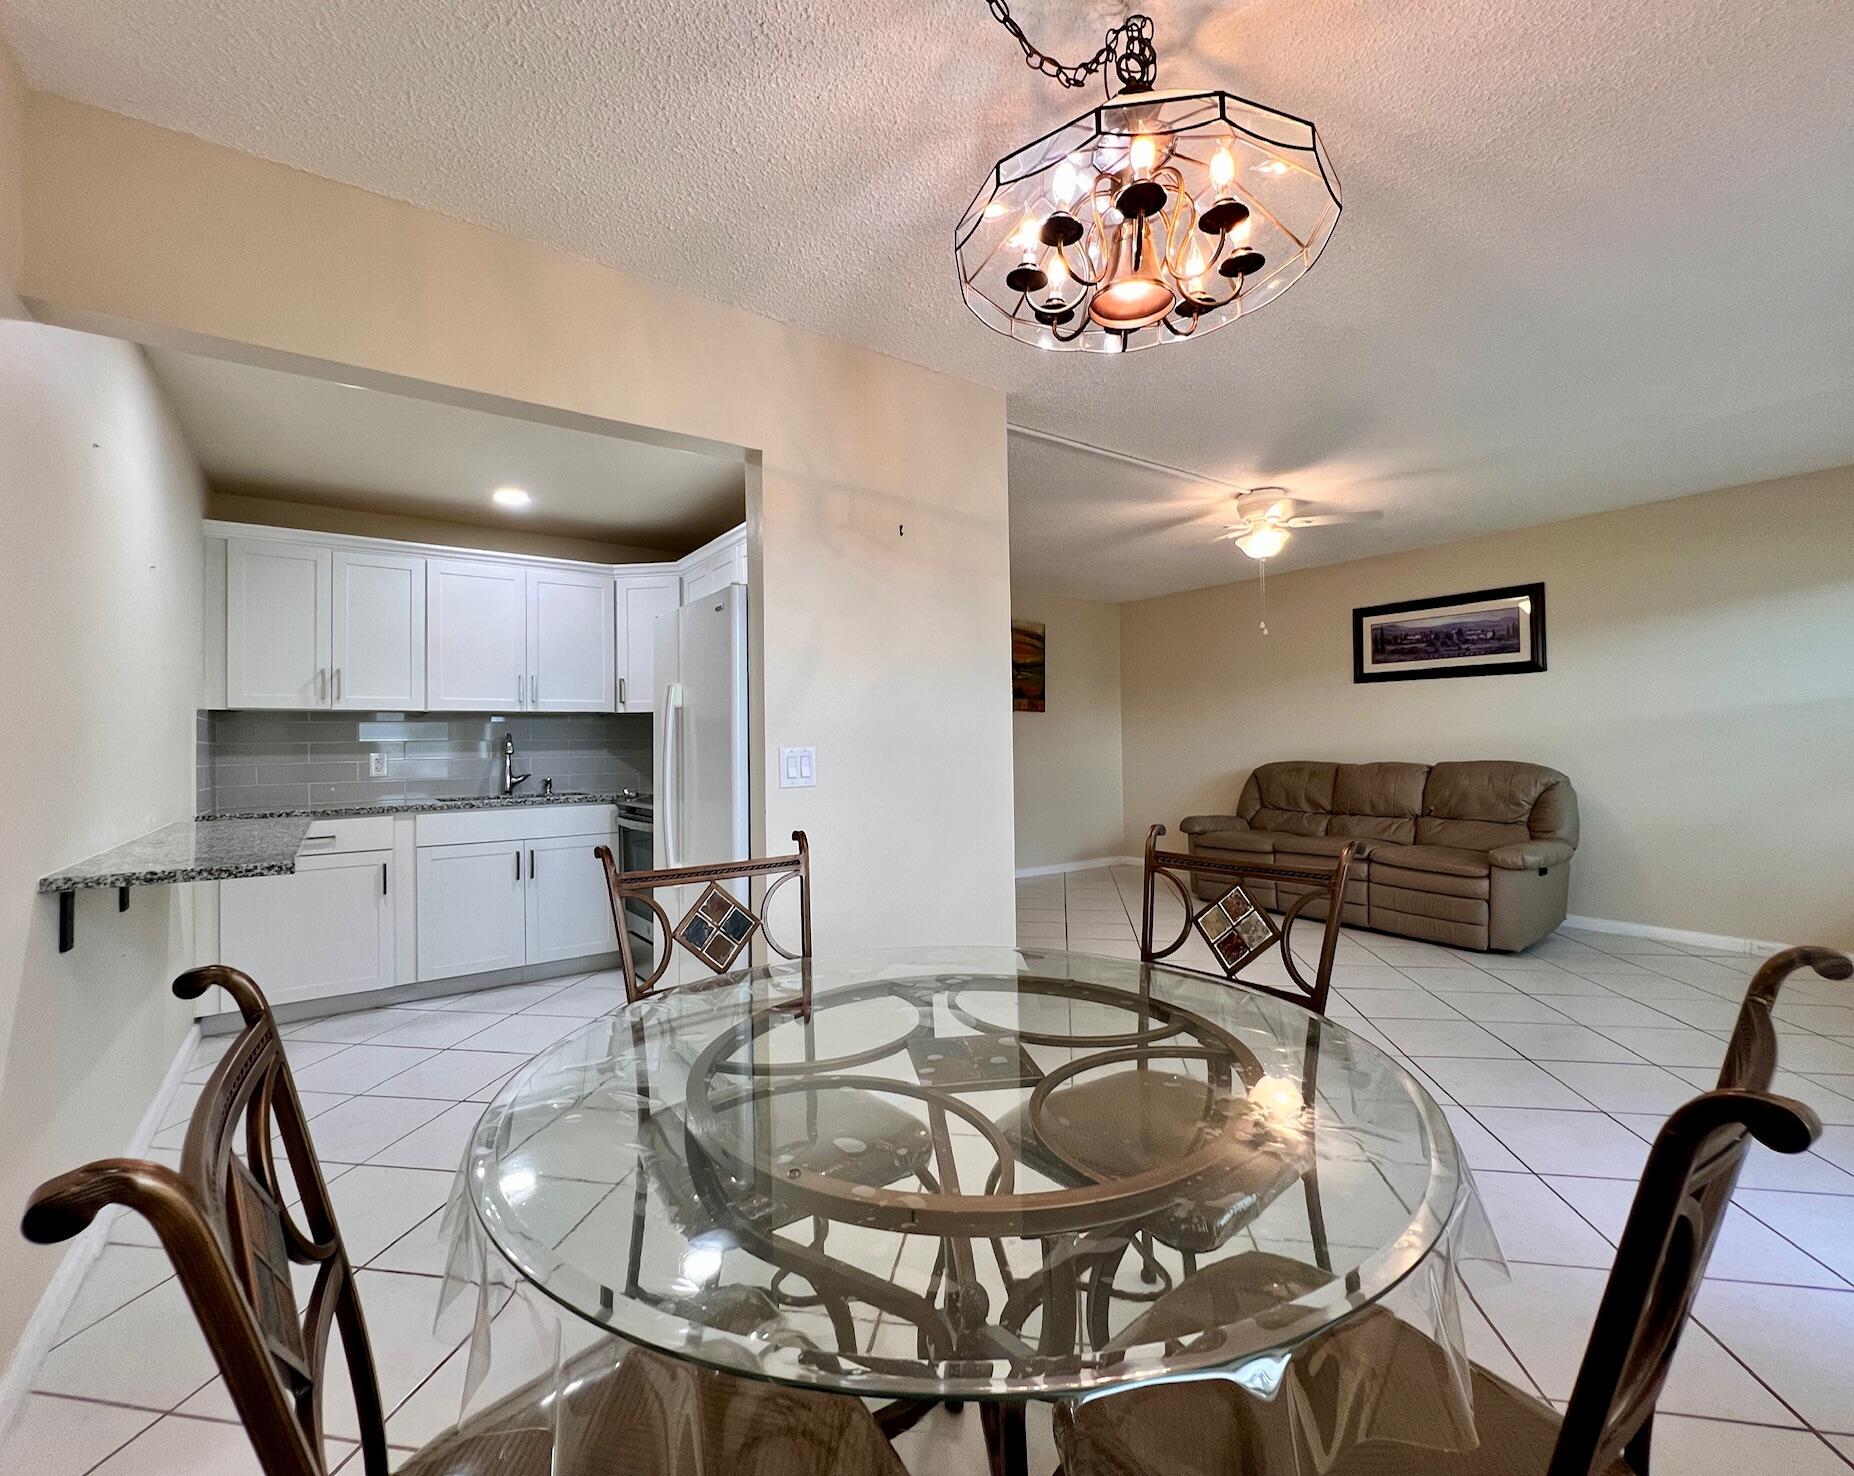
point(1529, 599)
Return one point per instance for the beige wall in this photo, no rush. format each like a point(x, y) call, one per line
point(880, 520)
point(99, 597)
point(275, 512)
point(1700, 696)
point(1068, 756)
point(12, 178)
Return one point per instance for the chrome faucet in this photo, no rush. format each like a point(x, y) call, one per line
point(509, 777)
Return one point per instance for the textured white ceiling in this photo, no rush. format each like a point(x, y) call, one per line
point(312, 440)
point(1593, 253)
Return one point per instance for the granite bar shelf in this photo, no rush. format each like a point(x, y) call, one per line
point(186, 851)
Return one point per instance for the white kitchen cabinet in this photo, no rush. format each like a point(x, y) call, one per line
point(327, 930)
point(477, 636)
point(278, 632)
point(715, 566)
point(641, 598)
point(379, 630)
point(569, 907)
point(570, 634)
point(472, 908)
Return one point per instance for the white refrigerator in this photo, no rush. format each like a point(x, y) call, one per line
point(699, 756)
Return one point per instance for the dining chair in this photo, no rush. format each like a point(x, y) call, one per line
point(848, 1134)
point(235, 1240)
point(1376, 1376)
point(1235, 924)
point(720, 925)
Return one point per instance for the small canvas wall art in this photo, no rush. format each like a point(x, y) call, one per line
point(1483, 633)
point(1026, 666)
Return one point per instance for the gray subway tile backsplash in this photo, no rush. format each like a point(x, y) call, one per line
point(277, 760)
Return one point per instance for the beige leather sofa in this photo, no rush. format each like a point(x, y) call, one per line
point(1473, 855)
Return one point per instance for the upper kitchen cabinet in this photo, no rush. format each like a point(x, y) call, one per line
point(337, 621)
point(477, 637)
point(379, 630)
point(279, 637)
point(570, 635)
point(715, 566)
point(642, 596)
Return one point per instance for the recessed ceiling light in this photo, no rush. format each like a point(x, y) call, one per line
point(509, 497)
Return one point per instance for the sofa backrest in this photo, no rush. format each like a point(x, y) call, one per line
point(1496, 802)
point(1478, 805)
point(1378, 801)
point(1292, 798)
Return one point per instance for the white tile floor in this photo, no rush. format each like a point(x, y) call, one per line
point(1555, 1069)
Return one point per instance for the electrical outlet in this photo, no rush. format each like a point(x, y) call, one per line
point(376, 766)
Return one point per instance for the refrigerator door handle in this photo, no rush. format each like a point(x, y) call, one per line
point(672, 773)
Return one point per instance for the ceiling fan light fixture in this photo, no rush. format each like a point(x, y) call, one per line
point(1263, 541)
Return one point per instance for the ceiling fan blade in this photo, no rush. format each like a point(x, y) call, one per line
point(1328, 520)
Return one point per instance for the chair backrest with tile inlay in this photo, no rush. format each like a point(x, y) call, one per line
point(1236, 925)
point(223, 1220)
point(719, 927)
point(1685, 1191)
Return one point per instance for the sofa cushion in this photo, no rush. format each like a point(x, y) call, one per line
point(1295, 797)
point(1482, 804)
point(1324, 848)
point(1378, 801)
point(1442, 860)
point(1252, 845)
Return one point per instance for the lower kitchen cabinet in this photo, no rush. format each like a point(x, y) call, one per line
point(327, 930)
point(472, 908)
point(569, 907)
point(501, 904)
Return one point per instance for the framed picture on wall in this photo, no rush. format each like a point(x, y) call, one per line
point(1488, 632)
point(1026, 666)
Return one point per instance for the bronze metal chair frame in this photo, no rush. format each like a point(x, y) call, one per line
point(642, 886)
point(222, 1238)
point(1175, 866)
point(1686, 1188)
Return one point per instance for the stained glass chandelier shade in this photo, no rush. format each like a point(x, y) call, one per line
point(1151, 218)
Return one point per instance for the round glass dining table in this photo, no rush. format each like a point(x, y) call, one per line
point(971, 1174)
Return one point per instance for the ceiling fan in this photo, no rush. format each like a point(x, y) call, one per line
point(1267, 516)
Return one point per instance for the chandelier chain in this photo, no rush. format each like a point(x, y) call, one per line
point(1128, 46)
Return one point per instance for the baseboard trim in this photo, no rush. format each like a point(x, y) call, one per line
point(1724, 942)
point(1093, 864)
point(41, 1330)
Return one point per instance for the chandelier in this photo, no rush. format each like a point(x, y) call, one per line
point(1153, 218)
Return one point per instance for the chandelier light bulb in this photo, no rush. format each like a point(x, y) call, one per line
point(1222, 169)
point(1143, 155)
point(1065, 185)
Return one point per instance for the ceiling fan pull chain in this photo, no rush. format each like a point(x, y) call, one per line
point(1264, 567)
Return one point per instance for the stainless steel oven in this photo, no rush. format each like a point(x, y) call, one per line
point(636, 853)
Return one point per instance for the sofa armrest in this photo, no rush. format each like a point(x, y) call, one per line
point(1200, 824)
point(1530, 855)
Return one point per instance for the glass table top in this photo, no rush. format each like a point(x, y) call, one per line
point(965, 1172)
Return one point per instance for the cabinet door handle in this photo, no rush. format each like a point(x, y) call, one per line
point(337, 684)
point(518, 863)
point(534, 690)
point(531, 864)
point(621, 691)
point(382, 878)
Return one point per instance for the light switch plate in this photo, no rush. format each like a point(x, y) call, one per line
point(798, 768)
point(376, 766)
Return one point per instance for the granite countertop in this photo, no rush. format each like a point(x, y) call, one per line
point(190, 850)
point(433, 806)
